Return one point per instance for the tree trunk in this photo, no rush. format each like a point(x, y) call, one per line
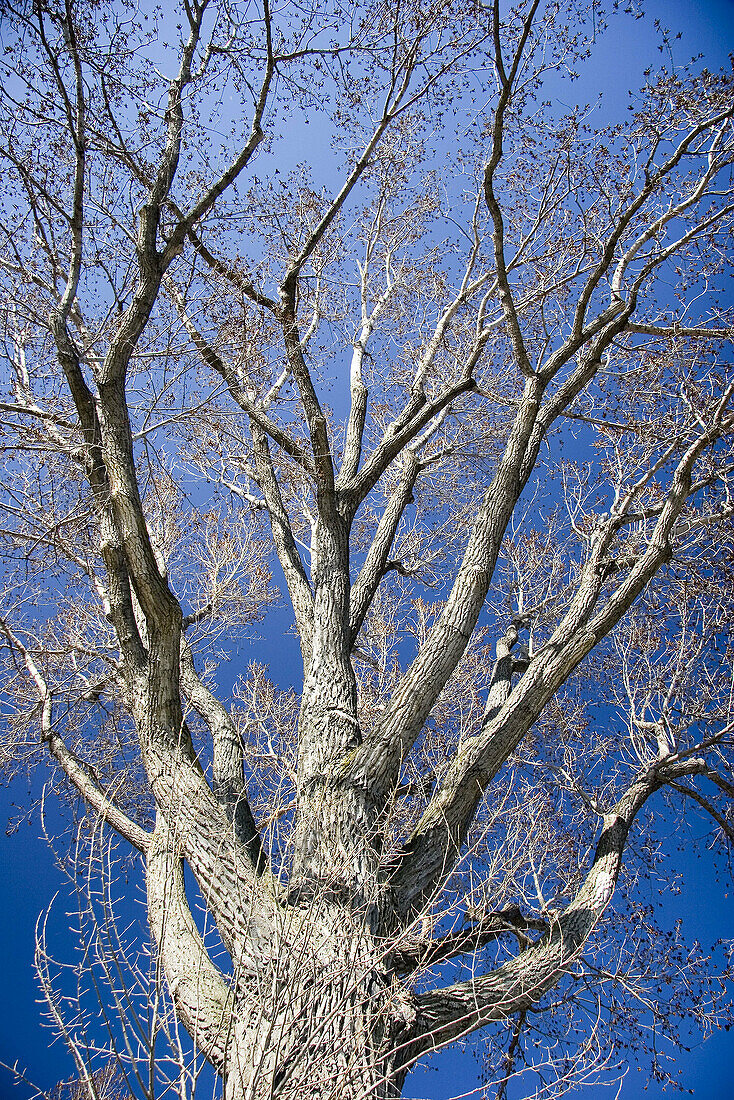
point(326, 1022)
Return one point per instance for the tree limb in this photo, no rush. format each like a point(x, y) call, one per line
point(228, 781)
point(429, 953)
point(448, 1014)
point(203, 1000)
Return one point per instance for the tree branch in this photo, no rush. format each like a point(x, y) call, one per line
point(227, 775)
point(74, 769)
point(451, 1013)
point(429, 953)
point(200, 994)
point(373, 570)
point(433, 847)
point(376, 763)
point(704, 803)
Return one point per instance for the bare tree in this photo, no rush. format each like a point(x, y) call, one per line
point(106, 1084)
point(506, 539)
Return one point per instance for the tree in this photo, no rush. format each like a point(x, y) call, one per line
point(508, 549)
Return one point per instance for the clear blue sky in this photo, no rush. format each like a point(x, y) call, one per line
point(28, 878)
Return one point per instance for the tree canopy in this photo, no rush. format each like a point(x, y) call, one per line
point(459, 394)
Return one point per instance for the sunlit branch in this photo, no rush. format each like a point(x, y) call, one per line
point(228, 781)
point(520, 983)
point(199, 990)
point(436, 841)
point(367, 582)
point(247, 403)
point(75, 770)
point(299, 587)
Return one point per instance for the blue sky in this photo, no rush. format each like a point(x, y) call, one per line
point(28, 878)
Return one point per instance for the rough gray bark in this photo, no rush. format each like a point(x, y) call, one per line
point(323, 940)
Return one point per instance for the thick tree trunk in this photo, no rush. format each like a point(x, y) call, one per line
point(326, 1023)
